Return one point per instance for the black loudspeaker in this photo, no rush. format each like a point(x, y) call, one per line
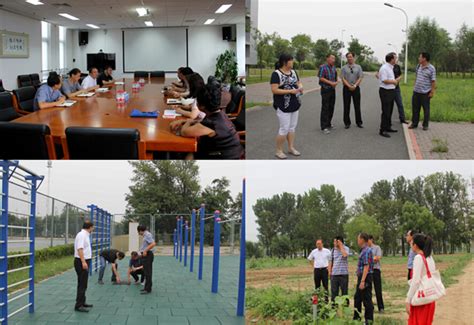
point(83, 38)
point(227, 33)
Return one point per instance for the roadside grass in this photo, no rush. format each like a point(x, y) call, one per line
point(254, 104)
point(439, 145)
point(254, 76)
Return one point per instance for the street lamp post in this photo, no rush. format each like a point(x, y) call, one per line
point(342, 48)
point(406, 37)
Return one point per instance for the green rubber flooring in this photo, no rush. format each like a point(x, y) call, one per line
point(178, 297)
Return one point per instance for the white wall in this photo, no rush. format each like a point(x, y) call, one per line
point(10, 68)
point(205, 44)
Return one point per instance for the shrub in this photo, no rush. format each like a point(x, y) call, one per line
point(41, 255)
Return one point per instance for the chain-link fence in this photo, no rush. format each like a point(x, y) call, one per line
point(57, 221)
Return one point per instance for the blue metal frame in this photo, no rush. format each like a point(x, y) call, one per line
point(202, 212)
point(181, 226)
point(186, 228)
point(177, 237)
point(241, 290)
point(92, 208)
point(32, 180)
point(217, 252)
point(193, 239)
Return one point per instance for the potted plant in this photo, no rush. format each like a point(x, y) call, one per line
point(226, 69)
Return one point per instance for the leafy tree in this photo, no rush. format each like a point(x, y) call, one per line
point(280, 46)
point(419, 219)
point(281, 246)
point(302, 44)
point(320, 50)
point(361, 223)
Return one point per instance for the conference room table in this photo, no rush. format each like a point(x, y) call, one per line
point(101, 110)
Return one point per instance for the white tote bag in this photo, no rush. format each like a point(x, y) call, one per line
point(430, 289)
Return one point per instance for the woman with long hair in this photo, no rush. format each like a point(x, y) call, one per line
point(424, 314)
point(286, 89)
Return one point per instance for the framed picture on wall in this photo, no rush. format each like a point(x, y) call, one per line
point(14, 45)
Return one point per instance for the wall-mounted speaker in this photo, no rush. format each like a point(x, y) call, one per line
point(228, 33)
point(83, 38)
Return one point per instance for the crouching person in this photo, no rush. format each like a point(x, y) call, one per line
point(135, 268)
point(110, 256)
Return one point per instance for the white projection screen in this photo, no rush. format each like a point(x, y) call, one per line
point(152, 49)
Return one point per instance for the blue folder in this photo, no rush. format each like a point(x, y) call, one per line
point(138, 113)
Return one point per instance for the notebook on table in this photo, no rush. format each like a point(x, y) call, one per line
point(173, 101)
point(138, 113)
point(67, 103)
point(86, 95)
point(170, 113)
point(102, 90)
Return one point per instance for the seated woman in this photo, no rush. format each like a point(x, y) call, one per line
point(218, 138)
point(180, 88)
point(48, 95)
point(71, 87)
point(196, 83)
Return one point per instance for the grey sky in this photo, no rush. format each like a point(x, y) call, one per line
point(370, 21)
point(105, 183)
point(352, 178)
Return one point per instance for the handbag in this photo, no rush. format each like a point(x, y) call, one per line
point(430, 289)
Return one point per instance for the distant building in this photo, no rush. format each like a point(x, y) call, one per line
point(251, 22)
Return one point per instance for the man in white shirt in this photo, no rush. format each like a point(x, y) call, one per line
point(90, 82)
point(319, 258)
point(388, 83)
point(82, 263)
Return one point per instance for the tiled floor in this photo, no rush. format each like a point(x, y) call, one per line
point(177, 297)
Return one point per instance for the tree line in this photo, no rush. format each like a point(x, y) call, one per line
point(173, 188)
point(424, 35)
point(437, 205)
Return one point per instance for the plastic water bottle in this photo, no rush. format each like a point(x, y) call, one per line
point(120, 98)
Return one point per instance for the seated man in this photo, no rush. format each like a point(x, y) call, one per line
point(48, 95)
point(111, 256)
point(71, 87)
point(91, 80)
point(105, 78)
point(135, 268)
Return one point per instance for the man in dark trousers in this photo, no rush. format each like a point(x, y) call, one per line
point(82, 263)
point(339, 269)
point(352, 75)
point(387, 85)
point(377, 276)
point(319, 258)
point(365, 268)
point(328, 81)
point(146, 251)
point(135, 268)
point(110, 256)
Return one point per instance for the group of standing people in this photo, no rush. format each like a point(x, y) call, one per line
point(287, 90)
point(140, 263)
point(333, 264)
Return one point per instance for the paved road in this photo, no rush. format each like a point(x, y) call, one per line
point(354, 143)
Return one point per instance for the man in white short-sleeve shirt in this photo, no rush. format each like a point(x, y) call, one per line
point(387, 85)
point(90, 82)
point(82, 263)
point(320, 258)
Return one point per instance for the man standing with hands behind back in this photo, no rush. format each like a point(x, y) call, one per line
point(82, 263)
point(328, 81)
point(365, 268)
point(146, 251)
point(388, 83)
point(351, 77)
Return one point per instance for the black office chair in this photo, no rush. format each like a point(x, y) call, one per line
point(25, 98)
point(157, 74)
point(35, 80)
point(237, 101)
point(140, 74)
point(1, 86)
point(26, 141)
point(24, 80)
point(7, 110)
point(103, 143)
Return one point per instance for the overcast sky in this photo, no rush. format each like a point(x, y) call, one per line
point(370, 21)
point(352, 177)
point(105, 183)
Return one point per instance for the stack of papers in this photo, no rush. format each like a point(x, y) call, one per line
point(120, 83)
point(170, 113)
point(86, 95)
point(67, 103)
point(102, 90)
point(138, 113)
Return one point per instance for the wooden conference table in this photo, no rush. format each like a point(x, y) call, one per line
point(101, 110)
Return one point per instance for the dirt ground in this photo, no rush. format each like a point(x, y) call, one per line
point(457, 308)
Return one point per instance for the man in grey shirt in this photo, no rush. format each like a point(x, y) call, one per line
point(146, 251)
point(377, 253)
point(352, 75)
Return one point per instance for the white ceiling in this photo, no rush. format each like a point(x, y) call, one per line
point(122, 13)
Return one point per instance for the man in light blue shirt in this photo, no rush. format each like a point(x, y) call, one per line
point(339, 268)
point(146, 251)
point(425, 85)
point(411, 254)
point(48, 95)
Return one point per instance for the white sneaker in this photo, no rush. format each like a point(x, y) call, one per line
point(326, 131)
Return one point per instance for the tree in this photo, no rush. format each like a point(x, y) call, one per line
point(363, 53)
point(281, 46)
point(419, 219)
point(464, 45)
point(302, 44)
point(320, 50)
point(281, 246)
point(361, 223)
point(335, 48)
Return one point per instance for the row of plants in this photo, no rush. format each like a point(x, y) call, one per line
point(41, 255)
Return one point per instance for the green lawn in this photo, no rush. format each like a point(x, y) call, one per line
point(256, 76)
point(453, 101)
point(43, 270)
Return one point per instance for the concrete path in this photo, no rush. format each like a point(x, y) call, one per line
point(354, 143)
point(177, 297)
point(260, 93)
